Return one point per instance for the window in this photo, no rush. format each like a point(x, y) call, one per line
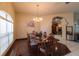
point(6, 31)
point(3, 14)
point(9, 18)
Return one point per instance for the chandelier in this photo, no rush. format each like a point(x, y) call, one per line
point(37, 18)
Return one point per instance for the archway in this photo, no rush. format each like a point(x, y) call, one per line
point(59, 26)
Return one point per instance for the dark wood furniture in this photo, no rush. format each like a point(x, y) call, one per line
point(50, 47)
point(53, 48)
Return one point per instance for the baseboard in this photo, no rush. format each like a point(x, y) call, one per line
point(22, 39)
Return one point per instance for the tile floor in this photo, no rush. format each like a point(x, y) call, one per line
point(73, 46)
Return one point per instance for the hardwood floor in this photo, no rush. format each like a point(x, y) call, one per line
point(20, 48)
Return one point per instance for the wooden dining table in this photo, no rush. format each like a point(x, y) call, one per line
point(51, 47)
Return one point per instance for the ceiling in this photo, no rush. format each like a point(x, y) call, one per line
point(45, 7)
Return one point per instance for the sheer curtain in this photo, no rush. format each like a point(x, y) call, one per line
point(6, 31)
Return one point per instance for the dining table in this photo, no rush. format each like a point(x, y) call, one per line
point(52, 47)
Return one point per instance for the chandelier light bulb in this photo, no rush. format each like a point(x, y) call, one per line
point(37, 19)
point(41, 19)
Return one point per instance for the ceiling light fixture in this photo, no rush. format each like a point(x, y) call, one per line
point(37, 18)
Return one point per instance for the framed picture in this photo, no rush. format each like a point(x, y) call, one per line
point(31, 24)
point(69, 32)
point(69, 29)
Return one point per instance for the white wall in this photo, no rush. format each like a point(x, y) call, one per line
point(22, 20)
point(21, 25)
